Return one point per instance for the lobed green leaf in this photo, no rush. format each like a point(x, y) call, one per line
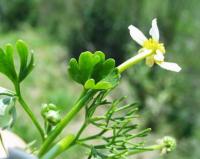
point(26, 66)
point(7, 65)
point(23, 52)
point(93, 71)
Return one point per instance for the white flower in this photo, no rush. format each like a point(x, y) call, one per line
point(152, 44)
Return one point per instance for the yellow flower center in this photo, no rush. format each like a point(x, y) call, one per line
point(154, 45)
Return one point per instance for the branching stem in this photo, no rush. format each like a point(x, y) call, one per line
point(86, 95)
point(29, 111)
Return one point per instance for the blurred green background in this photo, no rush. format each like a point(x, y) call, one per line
point(58, 30)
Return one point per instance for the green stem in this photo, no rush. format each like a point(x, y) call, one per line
point(148, 148)
point(132, 61)
point(59, 147)
point(70, 115)
point(29, 111)
point(99, 135)
point(80, 131)
point(63, 144)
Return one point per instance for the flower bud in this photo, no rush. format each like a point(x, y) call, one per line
point(169, 144)
point(51, 113)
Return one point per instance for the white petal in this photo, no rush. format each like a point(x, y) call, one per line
point(137, 35)
point(154, 32)
point(170, 66)
point(159, 56)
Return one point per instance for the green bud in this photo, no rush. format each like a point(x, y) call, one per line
point(51, 113)
point(169, 144)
